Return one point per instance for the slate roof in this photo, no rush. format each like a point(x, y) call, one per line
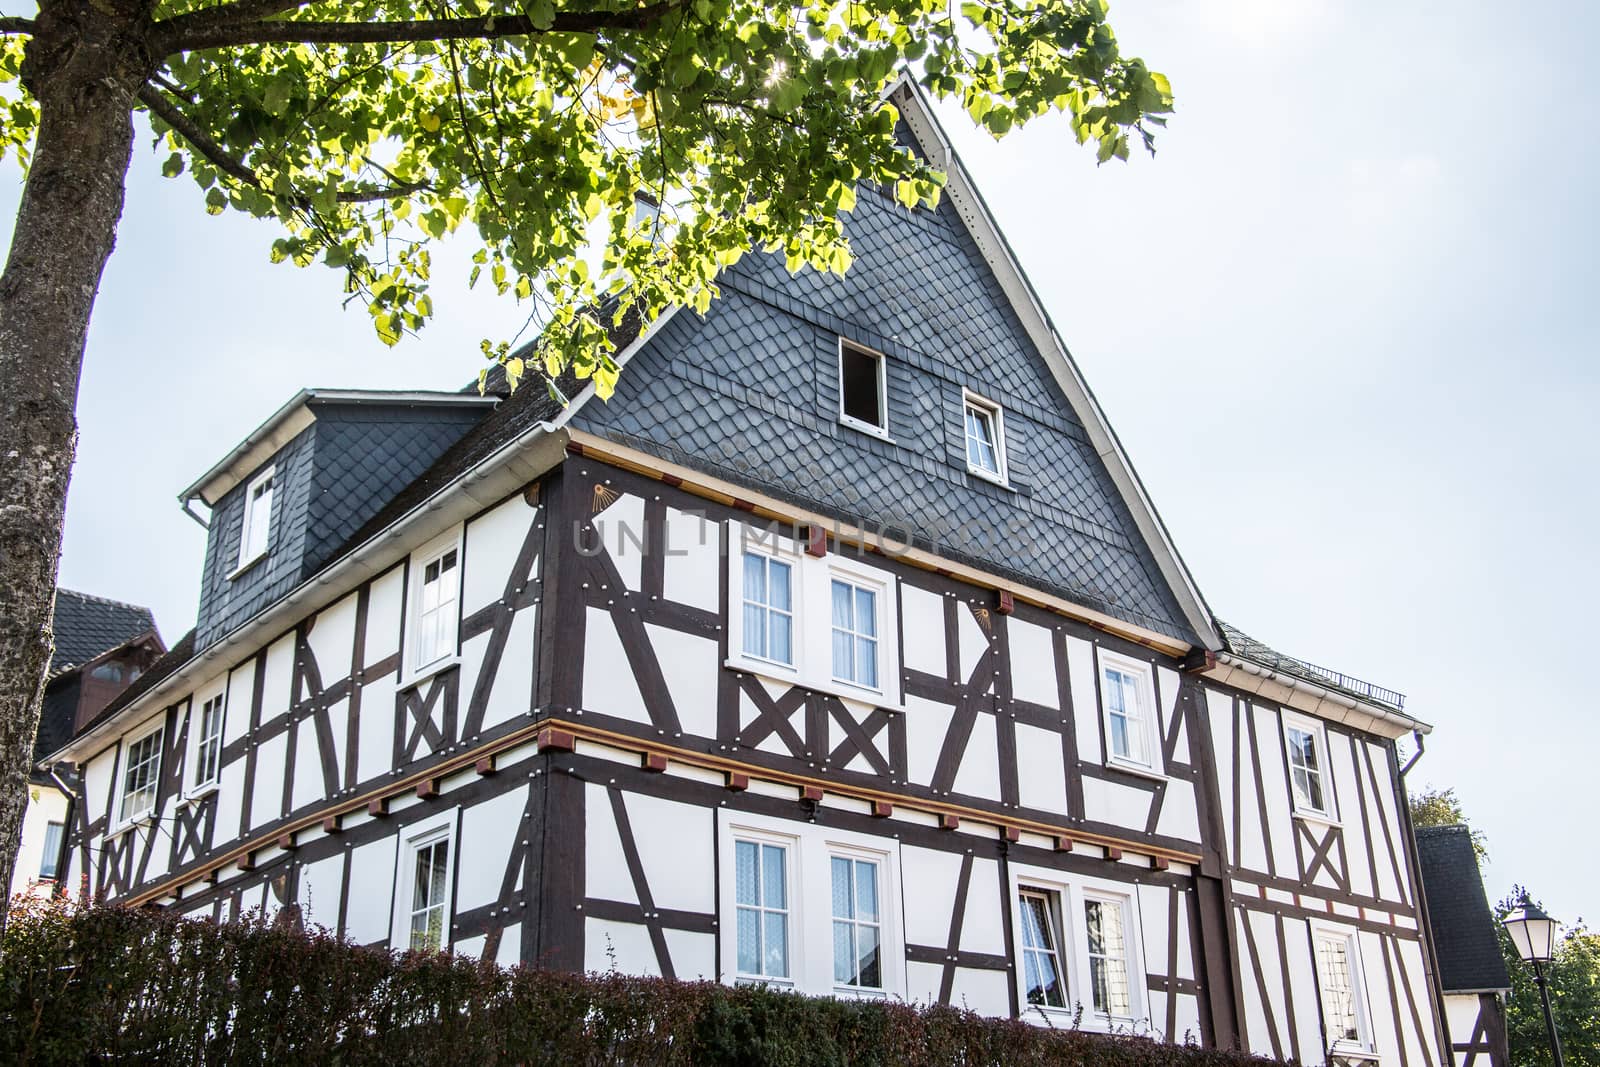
point(1463, 928)
point(87, 626)
point(162, 669)
point(1244, 646)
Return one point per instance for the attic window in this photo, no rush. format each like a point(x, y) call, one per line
point(861, 390)
point(256, 529)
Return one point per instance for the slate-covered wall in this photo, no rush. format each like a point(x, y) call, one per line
point(750, 393)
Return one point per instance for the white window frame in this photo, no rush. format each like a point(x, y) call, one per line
point(1073, 950)
point(1364, 1046)
point(883, 390)
point(796, 943)
point(811, 630)
point(418, 835)
point(50, 858)
point(810, 873)
point(997, 430)
point(134, 738)
point(1149, 719)
point(246, 555)
point(196, 786)
point(1329, 812)
point(1054, 903)
point(855, 631)
point(432, 551)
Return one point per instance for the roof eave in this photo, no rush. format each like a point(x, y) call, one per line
point(1313, 699)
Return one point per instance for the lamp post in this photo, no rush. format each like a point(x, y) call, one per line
point(1533, 934)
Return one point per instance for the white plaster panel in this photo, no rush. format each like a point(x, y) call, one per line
point(375, 731)
point(691, 572)
point(332, 639)
point(985, 992)
point(1185, 961)
point(1179, 816)
point(1115, 803)
point(930, 877)
point(1153, 901)
point(1385, 1027)
point(927, 721)
point(1346, 796)
point(1033, 663)
point(618, 947)
point(1041, 769)
point(230, 799)
point(1085, 701)
point(266, 801)
point(160, 848)
point(983, 930)
point(97, 783)
point(308, 784)
point(510, 953)
point(694, 956)
point(1384, 819)
point(236, 717)
point(1257, 1033)
point(675, 850)
point(489, 832)
point(608, 683)
point(1303, 988)
point(606, 866)
point(383, 616)
point(275, 696)
point(620, 527)
point(320, 885)
point(1186, 1021)
point(1275, 787)
point(689, 666)
point(922, 982)
point(371, 892)
point(979, 772)
point(1412, 985)
point(973, 643)
point(492, 543)
point(922, 623)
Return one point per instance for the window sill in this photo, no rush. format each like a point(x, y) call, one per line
point(998, 481)
point(423, 674)
point(1045, 1015)
point(881, 433)
point(199, 793)
point(1318, 818)
point(1138, 770)
point(246, 565)
point(135, 823)
point(843, 690)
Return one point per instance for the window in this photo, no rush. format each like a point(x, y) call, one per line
point(855, 634)
point(107, 672)
point(768, 609)
point(208, 742)
point(857, 933)
point(1338, 978)
point(436, 608)
point(861, 389)
point(761, 893)
point(429, 903)
point(52, 849)
point(1307, 768)
point(985, 441)
point(140, 776)
point(1043, 982)
point(424, 884)
point(1129, 704)
point(1108, 957)
point(257, 527)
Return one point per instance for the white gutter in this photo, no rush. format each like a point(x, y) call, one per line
point(527, 456)
point(1316, 695)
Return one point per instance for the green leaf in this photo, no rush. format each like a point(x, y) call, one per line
point(173, 165)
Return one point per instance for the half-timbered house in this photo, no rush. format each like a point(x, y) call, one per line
point(842, 650)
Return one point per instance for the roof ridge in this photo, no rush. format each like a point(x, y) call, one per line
point(92, 598)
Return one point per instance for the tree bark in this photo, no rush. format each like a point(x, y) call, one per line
point(84, 65)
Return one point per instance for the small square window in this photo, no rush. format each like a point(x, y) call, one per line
point(862, 400)
point(1044, 981)
point(256, 530)
point(986, 453)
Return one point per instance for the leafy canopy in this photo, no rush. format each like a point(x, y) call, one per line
point(371, 128)
point(1441, 807)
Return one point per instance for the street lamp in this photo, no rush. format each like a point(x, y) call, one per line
point(1533, 934)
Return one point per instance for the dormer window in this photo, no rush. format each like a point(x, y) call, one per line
point(256, 529)
point(863, 401)
point(986, 447)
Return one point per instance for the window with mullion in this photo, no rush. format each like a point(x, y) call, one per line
point(984, 454)
point(1340, 1014)
point(1041, 958)
point(1305, 770)
point(429, 895)
point(208, 743)
point(768, 609)
point(1108, 957)
point(141, 776)
point(1125, 715)
point(436, 609)
point(53, 833)
point(857, 925)
point(761, 898)
point(855, 633)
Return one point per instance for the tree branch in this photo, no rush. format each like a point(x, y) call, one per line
point(227, 14)
point(15, 24)
point(236, 168)
point(451, 29)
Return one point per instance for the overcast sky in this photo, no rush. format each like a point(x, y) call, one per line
point(1344, 323)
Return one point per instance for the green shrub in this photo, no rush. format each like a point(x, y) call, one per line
point(118, 986)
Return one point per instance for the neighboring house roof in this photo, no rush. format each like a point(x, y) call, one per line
point(1243, 645)
point(159, 671)
point(88, 626)
point(1464, 934)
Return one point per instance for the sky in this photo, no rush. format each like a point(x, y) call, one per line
point(1344, 323)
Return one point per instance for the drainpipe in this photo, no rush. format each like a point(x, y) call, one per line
point(66, 831)
point(1417, 735)
point(1430, 955)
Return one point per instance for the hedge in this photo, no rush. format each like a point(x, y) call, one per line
point(113, 985)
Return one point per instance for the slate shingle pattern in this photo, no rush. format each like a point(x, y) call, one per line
point(750, 394)
point(1464, 929)
point(86, 626)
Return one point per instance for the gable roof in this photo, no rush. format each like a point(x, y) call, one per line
point(1464, 929)
point(89, 626)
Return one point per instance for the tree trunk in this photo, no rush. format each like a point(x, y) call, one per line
point(84, 67)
